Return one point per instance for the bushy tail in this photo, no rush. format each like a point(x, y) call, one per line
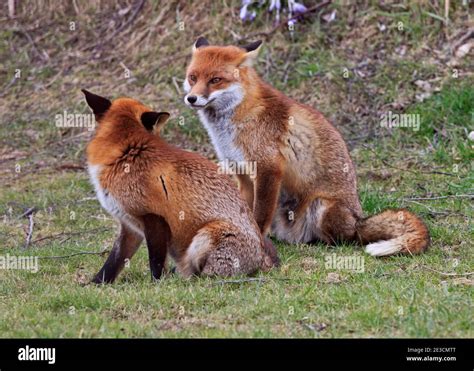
point(393, 232)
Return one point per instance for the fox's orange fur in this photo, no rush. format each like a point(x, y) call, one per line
point(174, 199)
point(305, 188)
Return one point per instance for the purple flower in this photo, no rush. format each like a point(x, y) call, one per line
point(245, 14)
point(274, 4)
point(299, 8)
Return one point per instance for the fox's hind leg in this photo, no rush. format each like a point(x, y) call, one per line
point(221, 249)
point(157, 235)
point(124, 248)
point(338, 222)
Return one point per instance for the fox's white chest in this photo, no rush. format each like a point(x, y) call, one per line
point(110, 203)
point(223, 133)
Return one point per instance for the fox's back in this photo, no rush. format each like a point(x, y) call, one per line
point(147, 174)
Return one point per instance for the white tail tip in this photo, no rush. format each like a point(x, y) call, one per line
point(383, 248)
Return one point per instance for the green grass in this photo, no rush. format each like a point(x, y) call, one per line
point(393, 297)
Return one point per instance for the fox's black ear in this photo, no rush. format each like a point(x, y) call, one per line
point(253, 46)
point(251, 53)
point(154, 120)
point(99, 104)
point(201, 41)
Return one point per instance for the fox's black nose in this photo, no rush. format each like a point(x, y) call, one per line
point(192, 99)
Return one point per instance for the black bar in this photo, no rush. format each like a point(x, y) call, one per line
point(375, 352)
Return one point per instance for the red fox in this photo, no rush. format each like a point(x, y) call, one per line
point(174, 199)
point(305, 186)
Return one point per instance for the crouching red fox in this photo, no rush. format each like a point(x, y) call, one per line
point(176, 200)
point(305, 187)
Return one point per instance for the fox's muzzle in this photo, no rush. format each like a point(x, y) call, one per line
point(196, 101)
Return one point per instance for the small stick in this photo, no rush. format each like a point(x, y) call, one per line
point(28, 212)
point(241, 281)
point(438, 197)
point(248, 280)
point(434, 212)
point(57, 235)
point(75, 254)
point(176, 86)
point(448, 274)
point(30, 230)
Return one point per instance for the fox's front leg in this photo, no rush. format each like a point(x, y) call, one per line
point(157, 235)
point(246, 189)
point(124, 248)
point(267, 190)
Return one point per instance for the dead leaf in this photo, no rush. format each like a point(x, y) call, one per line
point(464, 49)
point(309, 264)
point(423, 96)
point(401, 50)
point(384, 175)
point(463, 281)
point(317, 327)
point(330, 16)
point(12, 155)
point(81, 277)
point(333, 277)
point(425, 85)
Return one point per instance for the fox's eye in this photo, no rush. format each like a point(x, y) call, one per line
point(192, 78)
point(215, 80)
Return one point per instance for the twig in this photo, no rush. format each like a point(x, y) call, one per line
point(466, 36)
point(438, 197)
point(53, 236)
point(28, 212)
point(268, 34)
point(30, 230)
point(75, 254)
point(222, 282)
point(447, 274)
point(251, 279)
point(176, 86)
point(434, 212)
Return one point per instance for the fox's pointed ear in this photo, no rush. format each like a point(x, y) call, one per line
point(98, 104)
point(252, 53)
point(201, 41)
point(154, 120)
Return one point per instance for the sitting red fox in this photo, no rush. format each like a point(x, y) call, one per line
point(305, 187)
point(174, 199)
